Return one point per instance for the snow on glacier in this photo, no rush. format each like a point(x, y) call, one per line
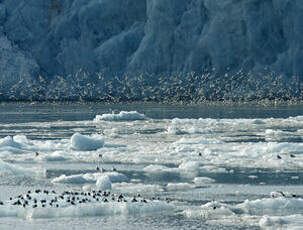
point(75, 44)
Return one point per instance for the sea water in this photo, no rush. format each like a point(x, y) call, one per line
point(196, 166)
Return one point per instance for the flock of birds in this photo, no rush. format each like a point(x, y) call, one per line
point(190, 87)
point(50, 198)
point(45, 198)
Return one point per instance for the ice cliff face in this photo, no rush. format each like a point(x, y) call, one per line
point(41, 40)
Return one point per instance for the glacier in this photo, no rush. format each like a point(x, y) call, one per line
point(150, 49)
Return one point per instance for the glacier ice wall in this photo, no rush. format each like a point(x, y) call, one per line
point(42, 40)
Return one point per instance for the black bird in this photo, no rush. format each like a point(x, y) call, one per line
point(292, 155)
point(17, 202)
point(279, 157)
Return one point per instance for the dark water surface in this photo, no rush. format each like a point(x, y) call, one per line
point(39, 112)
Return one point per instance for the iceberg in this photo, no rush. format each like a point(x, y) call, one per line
point(86, 143)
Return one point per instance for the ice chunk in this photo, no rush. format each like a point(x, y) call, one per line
point(179, 186)
point(200, 181)
point(73, 179)
point(137, 187)
point(291, 222)
point(86, 143)
point(156, 168)
point(7, 168)
point(271, 206)
point(122, 116)
point(9, 142)
point(55, 156)
point(104, 183)
point(190, 165)
point(90, 178)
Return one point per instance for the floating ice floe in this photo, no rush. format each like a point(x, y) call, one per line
point(137, 188)
point(190, 166)
point(7, 168)
point(19, 144)
point(272, 206)
point(208, 125)
point(187, 126)
point(86, 143)
point(51, 204)
point(202, 181)
point(266, 212)
point(9, 141)
point(179, 186)
point(122, 116)
point(90, 178)
point(15, 145)
point(55, 156)
point(197, 140)
point(195, 166)
point(156, 168)
point(289, 222)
